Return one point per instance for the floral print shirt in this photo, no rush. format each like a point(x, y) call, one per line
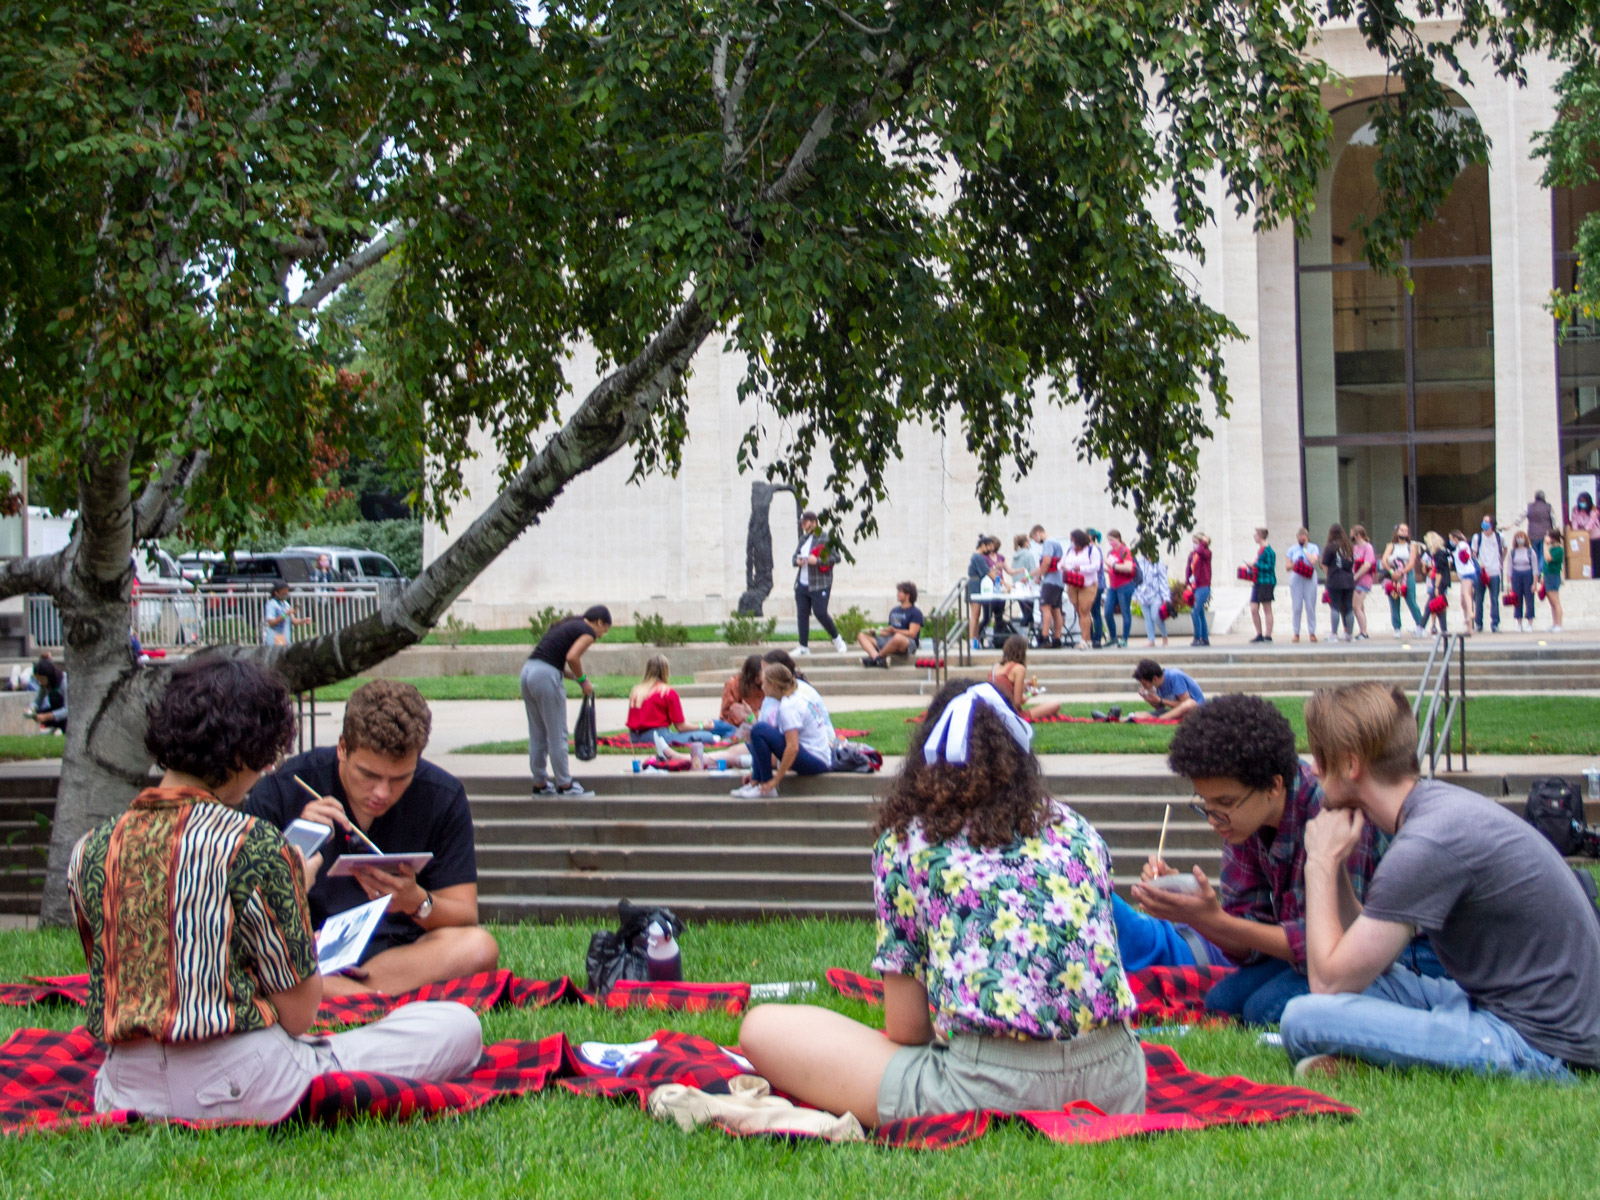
point(1016, 941)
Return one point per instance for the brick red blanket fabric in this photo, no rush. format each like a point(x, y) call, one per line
point(489, 989)
point(47, 1083)
point(1166, 995)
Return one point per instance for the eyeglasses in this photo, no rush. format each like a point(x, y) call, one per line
point(1221, 814)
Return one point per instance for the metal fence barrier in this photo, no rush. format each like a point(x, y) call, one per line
point(219, 614)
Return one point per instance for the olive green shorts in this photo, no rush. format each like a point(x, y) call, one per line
point(1105, 1067)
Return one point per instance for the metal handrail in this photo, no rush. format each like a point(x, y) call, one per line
point(951, 604)
point(1435, 686)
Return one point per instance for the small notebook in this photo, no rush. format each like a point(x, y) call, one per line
point(345, 935)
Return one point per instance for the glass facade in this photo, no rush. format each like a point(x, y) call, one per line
point(1578, 354)
point(1396, 386)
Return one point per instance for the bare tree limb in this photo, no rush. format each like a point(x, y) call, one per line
point(857, 25)
point(42, 573)
point(363, 259)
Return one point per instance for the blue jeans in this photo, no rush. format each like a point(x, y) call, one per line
point(1491, 585)
point(1256, 994)
point(766, 749)
point(1409, 1020)
point(1202, 629)
point(647, 737)
point(1120, 599)
point(1522, 589)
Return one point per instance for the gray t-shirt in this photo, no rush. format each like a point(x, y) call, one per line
point(1503, 911)
point(1050, 553)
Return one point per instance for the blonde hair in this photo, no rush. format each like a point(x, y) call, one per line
point(656, 670)
point(1371, 723)
point(777, 680)
point(1433, 541)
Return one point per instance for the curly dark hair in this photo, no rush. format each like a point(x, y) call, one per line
point(1235, 737)
point(388, 716)
point(997, 797)
point(219, 716)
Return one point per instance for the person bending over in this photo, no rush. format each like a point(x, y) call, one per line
point(1508, 918)
point(901, 635)
point(794, 736)
point(994, 912)
point(375, 782)
point(1171, 693)
point(202, 968)
point(557, 657)
point(1238, 752)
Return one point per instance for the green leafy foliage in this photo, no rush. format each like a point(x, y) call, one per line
point(747, 629)
point(539, 624)
point(658, 631)
point(1571, 148)
point(852, 621)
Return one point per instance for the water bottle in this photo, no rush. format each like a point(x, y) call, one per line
point(663, 962)
point(636, 766)
point(986, 587)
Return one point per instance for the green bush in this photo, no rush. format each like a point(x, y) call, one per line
point(851, 622)
point(940, 625)
point(658, 631)
point(539, 624)
point(452, 629)
point(747, 629)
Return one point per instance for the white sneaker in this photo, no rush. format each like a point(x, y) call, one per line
point(1555, 629)
point(749, 791)
point(802, 651)
point(838, 644)
point(1397, 635)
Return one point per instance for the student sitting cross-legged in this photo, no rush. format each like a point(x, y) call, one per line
point(202, 970)
point(994, 910)
point(1508, 918)
point(1238, 752)
point(901, 635)
point(375, 783)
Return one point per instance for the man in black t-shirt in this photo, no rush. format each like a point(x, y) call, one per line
point(900, 636)
point(557, 657)
point(375, 783)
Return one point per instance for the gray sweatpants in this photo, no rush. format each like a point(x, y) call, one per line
point(261, 1076)
point(1303, 599)
point(544, 695)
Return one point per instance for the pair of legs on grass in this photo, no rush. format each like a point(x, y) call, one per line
point(402, 957)
point(1410, 1020)
point(825, 1059)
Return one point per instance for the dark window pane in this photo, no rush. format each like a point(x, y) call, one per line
point(1455, 485)
point(1356, 485)
point(1453, 313)
point(1352, 353)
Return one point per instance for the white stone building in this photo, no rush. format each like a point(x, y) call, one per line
point(1353, 401)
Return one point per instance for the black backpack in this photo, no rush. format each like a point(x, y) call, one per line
point(1555, 809)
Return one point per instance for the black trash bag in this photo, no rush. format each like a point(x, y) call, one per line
point(614, 957)
point(585, 739)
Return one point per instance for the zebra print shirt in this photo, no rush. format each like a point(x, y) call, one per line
point(191, 915)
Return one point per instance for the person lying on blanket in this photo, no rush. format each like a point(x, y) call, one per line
point(1509, 919)
point(375, 783)
point(994, 910)
point(202, 970)
point(1238, 752)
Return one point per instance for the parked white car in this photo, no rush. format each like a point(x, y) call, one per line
point(351, 565)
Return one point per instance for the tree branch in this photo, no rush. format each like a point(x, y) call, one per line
point(363, 259)
point(855, 24)
point(42, 573)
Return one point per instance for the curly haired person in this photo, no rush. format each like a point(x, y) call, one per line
point(202, 968)
point(376, 788)
point(1003, 985)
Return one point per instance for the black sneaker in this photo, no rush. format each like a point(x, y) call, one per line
point(881, 663)
point(1097, 715)
point(544, 790)
point(868, 661)
point(1257, 638)
point(1115, 714)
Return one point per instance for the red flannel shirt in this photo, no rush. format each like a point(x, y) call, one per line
point(1268, 883)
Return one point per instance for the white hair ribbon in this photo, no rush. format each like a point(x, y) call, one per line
point(950, 733)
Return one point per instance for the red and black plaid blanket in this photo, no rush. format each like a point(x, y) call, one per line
point(1165, 995)
point(481, 992)
point(623, 741)
point(47, 1082)
point(1065, 719)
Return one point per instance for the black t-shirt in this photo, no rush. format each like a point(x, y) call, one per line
point(432, 815)
point(557, 641)
point(905, 618)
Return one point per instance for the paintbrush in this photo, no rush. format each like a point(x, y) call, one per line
point(352, 829)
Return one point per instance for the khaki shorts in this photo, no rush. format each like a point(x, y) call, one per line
point(1105, 1067)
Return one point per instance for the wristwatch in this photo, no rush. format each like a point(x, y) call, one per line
point(425, 909)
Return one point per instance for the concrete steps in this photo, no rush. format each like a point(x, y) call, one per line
point(684, 842)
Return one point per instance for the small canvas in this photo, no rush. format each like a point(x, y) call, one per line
point(345, 935)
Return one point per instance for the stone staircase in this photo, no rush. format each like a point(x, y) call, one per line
point(1493, 667)
point(683, 841)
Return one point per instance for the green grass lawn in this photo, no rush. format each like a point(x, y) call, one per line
point(486, 687)
point(1419, 1134)
point(16, 746)
point(1495, 725)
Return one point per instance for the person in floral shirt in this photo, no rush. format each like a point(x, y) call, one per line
point(1003, 984)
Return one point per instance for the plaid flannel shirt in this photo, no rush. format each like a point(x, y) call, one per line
point(1268, 883)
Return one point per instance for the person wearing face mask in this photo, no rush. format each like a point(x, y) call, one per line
point(1399, 568)
point(1489, 549)
point(1586, 516)
point(1304, 558)
point(1523, 563)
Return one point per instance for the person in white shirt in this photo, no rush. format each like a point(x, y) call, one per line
point(813, 581)
point(1304, 557)
point(1083, 563)
point(794, 735)
point(1489, 549)
point(1154, 592)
